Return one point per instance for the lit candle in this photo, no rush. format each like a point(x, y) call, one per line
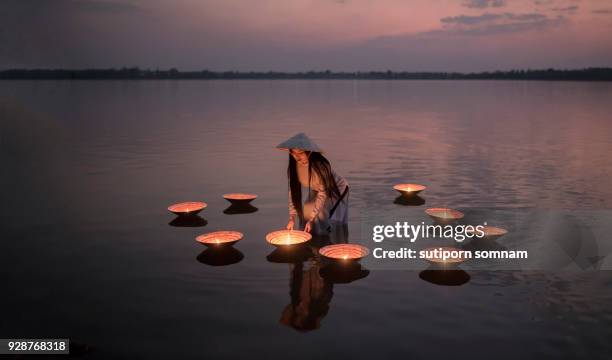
point(185, 208)
point(219, 238)
point(344, 252)
point(286, 238)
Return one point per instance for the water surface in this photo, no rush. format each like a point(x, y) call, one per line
point(91, 254)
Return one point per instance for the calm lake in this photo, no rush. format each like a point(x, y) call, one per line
point(89, 251)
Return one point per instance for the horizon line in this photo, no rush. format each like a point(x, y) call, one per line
point(135, 73)
point(172, 68)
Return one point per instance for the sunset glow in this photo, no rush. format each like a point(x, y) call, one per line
point(349, 35)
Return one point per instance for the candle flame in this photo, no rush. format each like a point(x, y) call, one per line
point(345, 256)
point(217, 240)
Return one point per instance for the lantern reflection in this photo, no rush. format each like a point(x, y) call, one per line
point(188, 221)
point(344, 273)
point(454, 277)
point(415, 200)
point(220, 256)
point(237, 208)
point(297, 255)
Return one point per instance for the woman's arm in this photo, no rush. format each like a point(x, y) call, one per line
point(292, 213)
point(340, 181)
point(318, 203)
point(322, 196)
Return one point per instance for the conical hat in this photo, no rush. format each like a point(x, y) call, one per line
point(299, 141)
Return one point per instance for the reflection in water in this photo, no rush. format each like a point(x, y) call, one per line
point(311, 285)
point(343, 273)
point(337, 235)
point(310, 298)
point(295, 254)
point(220, 256)
point(112, 148)
point(188, 221)
point(444, 222)
point(482, 244)
point(415, 200)
point(450, 277)
point(240, 208)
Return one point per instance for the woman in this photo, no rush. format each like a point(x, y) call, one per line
point(318, 197)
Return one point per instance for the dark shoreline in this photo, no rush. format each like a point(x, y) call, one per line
point(588, 74)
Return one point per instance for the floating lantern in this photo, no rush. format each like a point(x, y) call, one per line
point(239, 198)
point(409, 190)
point(219, 238)
point(344, 252)
point(493, 232)
point(187, 208)
point(285, 238)
point(490, 232)
point(435, 255)
point(444, 214)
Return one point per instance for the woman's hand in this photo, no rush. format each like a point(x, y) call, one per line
point(290, 224)
point(308, 227)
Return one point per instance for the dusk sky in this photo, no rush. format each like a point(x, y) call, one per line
point(301, 35)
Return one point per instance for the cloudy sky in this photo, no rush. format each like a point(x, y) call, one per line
point(297, 35)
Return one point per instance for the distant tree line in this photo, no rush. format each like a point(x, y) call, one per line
point(135, 73)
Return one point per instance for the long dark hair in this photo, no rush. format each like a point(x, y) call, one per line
point(318, 164)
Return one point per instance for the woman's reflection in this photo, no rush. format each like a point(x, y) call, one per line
point(312, 280)
point(310, 297)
